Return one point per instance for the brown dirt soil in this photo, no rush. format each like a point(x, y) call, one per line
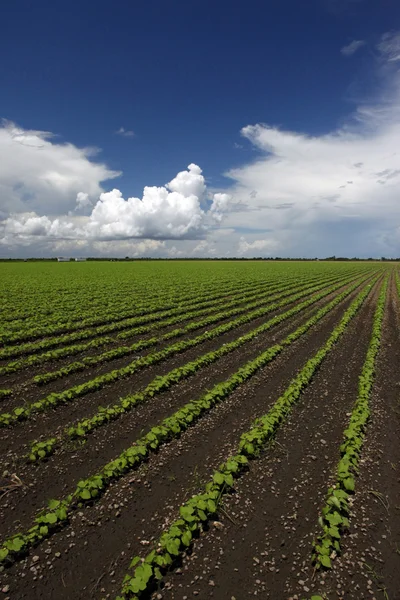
point(50, 421)
point(369, 566)
point(23, 386)
point(75, 462)
point(89, 557)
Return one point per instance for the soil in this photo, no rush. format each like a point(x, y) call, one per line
point(261, 543)
point(274, 508)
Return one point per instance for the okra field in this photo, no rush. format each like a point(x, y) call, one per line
point(210, 429)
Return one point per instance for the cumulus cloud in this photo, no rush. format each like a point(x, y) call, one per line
point(189, 183)
point(125, 132)
point(352, 48)
point(173, 211)
point(82, 201)
point(159, 214)
point(39, 174)
point(221, 205)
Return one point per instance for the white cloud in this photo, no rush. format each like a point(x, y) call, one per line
point(389, 46)
point(264, 247)
point(189, 183)
point(221, 205)
point(82, 201)
point(352, 48)
point(38, 174)
point(173, 211)
point(131, 248)
point(125, 132)
point(159, 214)
point(334, 193)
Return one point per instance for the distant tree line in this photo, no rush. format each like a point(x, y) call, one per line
point(141, 259)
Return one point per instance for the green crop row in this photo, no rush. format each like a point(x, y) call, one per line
point(109, 310)
point(86, 304)
point(281, 288)
point(335, 514)
point(56, 354)
point(147, 308)
point(98, 341)
point(163, 383)
point(54, 399)
point(201, 507)
point(143, 344)
point(89, 489)
point(37, 346)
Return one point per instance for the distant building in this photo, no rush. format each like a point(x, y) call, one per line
point(80, 259)
point(63, 259)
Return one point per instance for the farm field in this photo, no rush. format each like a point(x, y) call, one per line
point(222, 430)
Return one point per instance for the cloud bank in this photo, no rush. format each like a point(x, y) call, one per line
point(334, 193)
point(182, 209)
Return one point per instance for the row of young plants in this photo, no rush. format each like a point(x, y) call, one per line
point(157, 306)
point(67, 310)
point(59, 304)
point(176, 333)
point(68, 305)
point(46, 343)
point(335, 514)
point(98, 342)
point(54, 399)
point(85, 306)
point(52, 355)
point(90, 489)
point(203, 506)
point(59, 353)
point(288, 287)
point(42, 449)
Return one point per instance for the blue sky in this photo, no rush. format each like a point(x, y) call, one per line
point(188, 79)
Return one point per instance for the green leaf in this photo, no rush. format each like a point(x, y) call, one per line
point(3, 554)
point(218, 478)
point(85, 494)
point(334, 518)
point(134, 562)
point(326, 562)
point(51, 518)
point(349, 484)
point(173, 547)
point(334, 532)
point(15, 544)
point(186, 513)
point(186, 538)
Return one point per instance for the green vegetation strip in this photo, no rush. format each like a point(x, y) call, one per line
point(54, 399)
point(335, 514)
point(149, 317)
point(201, 507)
point(89, 489)
point(42, 449)
point(108, 311)
point(122, 351)
point(5, 394)
point(155, 309)
point(37, 359)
